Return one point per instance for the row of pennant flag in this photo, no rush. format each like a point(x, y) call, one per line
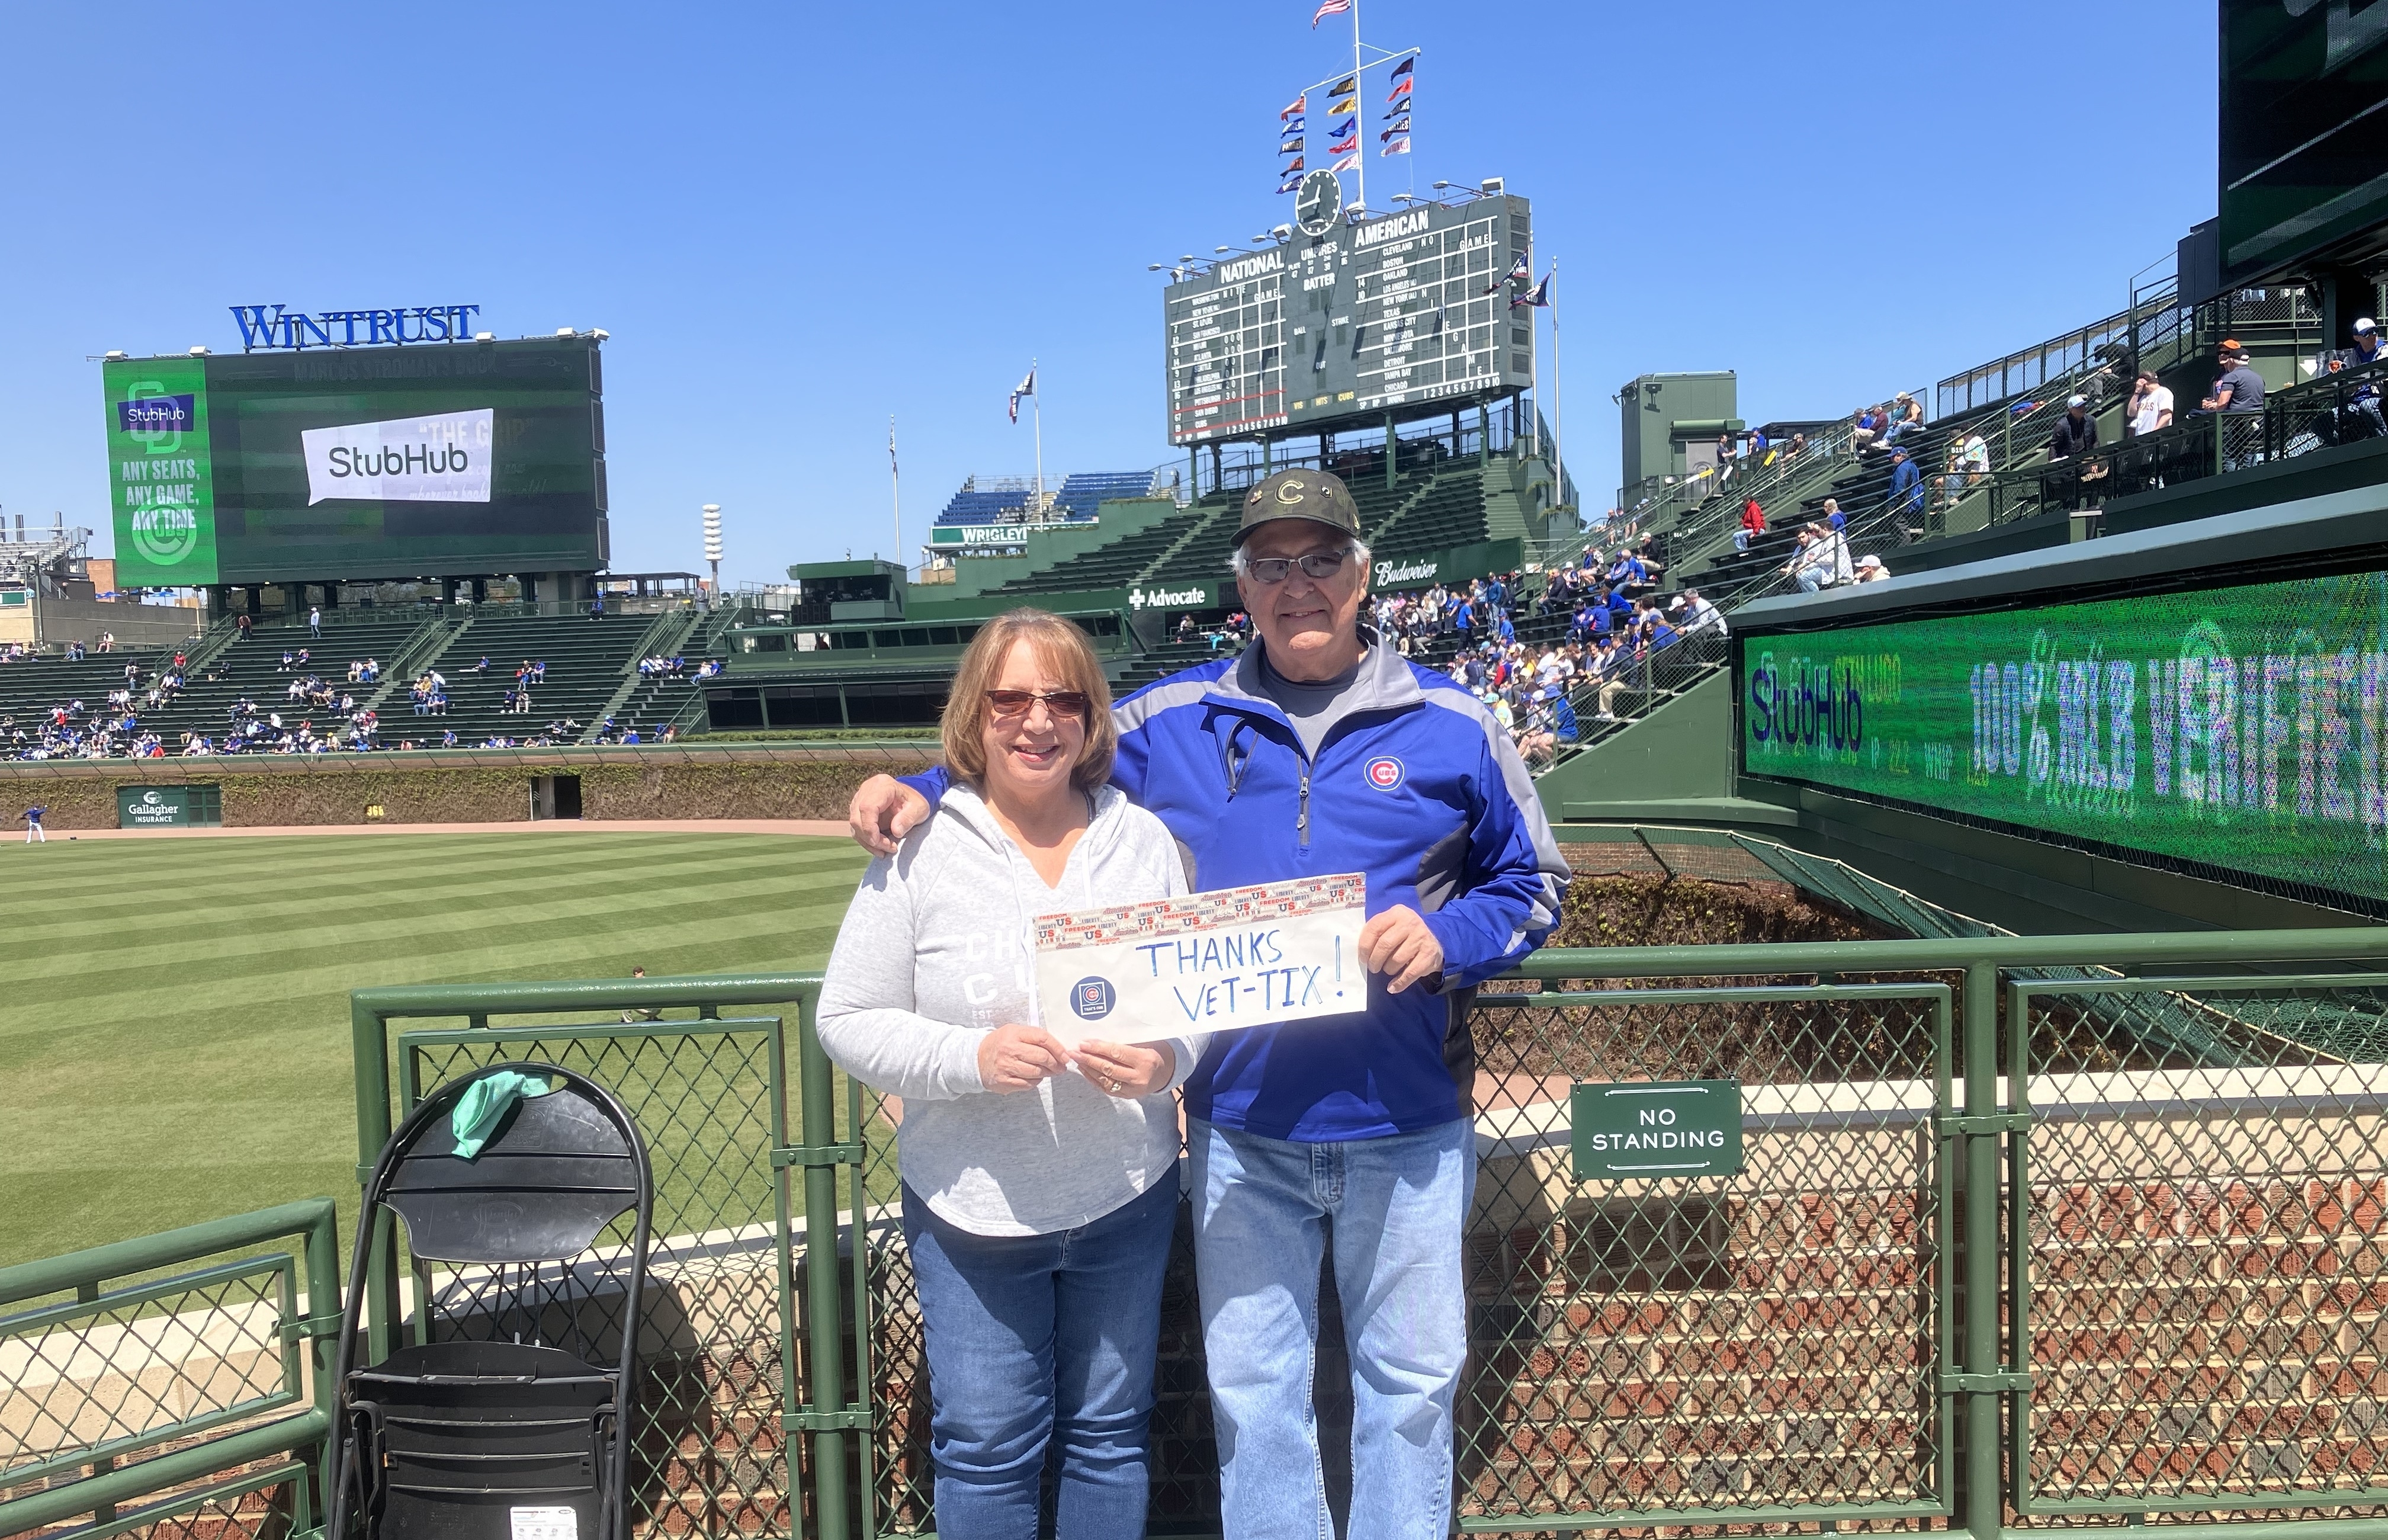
point(1343, 136)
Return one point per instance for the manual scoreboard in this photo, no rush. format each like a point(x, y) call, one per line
point(1352, 319)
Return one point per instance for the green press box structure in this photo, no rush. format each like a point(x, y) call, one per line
point(251, 468)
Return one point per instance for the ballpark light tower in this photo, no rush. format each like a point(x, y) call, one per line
point(713, 545)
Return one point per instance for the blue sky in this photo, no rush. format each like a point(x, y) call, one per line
point(794, 221)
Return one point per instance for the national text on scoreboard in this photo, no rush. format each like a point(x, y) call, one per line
point(1386, 314)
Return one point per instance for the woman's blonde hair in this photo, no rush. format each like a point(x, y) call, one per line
point(1066, 655)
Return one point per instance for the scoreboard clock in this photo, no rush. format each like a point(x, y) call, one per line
point(1350, 318)
point(1319, 203)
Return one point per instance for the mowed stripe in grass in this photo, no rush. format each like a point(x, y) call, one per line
point(173, 1017)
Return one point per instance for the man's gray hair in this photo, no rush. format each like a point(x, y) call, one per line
point(1240, 559)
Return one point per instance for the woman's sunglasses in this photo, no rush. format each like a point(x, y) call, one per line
point(1065, 704)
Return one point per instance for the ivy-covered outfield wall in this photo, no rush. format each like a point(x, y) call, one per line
point(481, 787)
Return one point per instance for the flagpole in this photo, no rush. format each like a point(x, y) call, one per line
point(1534, 362)
point(1558, 390)
point(1037, 415)
point(1359, 117)
point(895, 487)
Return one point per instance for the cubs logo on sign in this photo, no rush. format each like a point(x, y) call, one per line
point(1384, 772)
point(1092, 999)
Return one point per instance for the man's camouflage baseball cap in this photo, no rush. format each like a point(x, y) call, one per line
point(1314, 495)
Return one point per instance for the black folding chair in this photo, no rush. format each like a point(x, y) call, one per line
point(506, 1436)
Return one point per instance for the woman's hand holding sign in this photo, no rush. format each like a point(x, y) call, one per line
point(1126, 1070)
point(1020, 1058)
point(1398, 945)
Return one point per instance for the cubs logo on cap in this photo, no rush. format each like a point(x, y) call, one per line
point(1092, 999)
point(1319, 496)
point(1385, 773)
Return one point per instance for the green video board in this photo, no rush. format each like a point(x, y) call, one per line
point(2239, 727)
point(161, 475)
point(382, 463)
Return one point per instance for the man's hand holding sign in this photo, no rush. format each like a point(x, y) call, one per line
point(1398, 945)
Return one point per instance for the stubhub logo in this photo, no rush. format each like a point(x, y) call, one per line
point(158, 415)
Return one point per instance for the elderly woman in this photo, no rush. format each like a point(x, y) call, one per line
point(1039, 1179)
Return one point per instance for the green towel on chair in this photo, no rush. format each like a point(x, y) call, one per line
point(485, 1102)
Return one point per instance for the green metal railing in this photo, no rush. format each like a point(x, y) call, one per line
point(2029, 1233)
point(139, 1391)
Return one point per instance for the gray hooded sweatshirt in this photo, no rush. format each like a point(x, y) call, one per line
point(936, 952)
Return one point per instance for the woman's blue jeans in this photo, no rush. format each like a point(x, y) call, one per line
point(1039, 1339)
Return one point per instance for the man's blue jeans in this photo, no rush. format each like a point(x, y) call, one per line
point(1038, 1337)
point(1399, 1209)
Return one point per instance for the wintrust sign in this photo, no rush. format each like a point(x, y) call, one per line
point(276, 327)
point(437, 459)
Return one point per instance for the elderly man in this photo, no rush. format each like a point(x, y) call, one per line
point(1321, 750)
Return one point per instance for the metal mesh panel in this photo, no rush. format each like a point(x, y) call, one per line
point(2203, 1210)
point(1722, 1349)
point(268, 1502)
point(263, 1513)
point(143, 1368)
point(712, 1457)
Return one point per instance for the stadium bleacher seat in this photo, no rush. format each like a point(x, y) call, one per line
point(588, 663)
point(29, 686)
point(1076, 497)
point(252, 669)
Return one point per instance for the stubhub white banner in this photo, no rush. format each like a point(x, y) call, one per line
point(443, 458)
point(1204, 961)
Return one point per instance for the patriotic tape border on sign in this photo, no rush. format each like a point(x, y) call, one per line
point(1101, 927)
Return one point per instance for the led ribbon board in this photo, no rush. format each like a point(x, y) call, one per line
point(2239, 727)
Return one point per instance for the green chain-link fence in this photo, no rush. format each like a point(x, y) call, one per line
point(708, 1098)
point(1760, 1346)
point(2199, 1206)
point(171, 1386)
point(2177, 1311)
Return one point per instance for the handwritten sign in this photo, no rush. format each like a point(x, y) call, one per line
point(1204, 961)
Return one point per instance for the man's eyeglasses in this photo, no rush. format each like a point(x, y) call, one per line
point(1065, 704)
point(1319, 566)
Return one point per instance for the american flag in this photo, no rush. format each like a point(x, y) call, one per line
point(1328, 8)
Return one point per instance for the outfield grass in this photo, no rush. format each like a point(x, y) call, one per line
point(174, 1016)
